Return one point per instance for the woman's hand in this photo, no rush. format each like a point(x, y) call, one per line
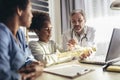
point(31, 71)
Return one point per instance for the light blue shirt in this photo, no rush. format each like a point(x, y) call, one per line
point(13, 55)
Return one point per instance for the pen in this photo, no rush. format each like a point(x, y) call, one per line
point(106, 65)
point(110, 63)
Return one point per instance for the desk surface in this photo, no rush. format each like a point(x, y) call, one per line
point(98, 74)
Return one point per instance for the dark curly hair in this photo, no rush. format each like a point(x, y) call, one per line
point(38, 20)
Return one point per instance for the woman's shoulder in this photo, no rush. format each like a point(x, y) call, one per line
point(4, 30)
point(5, 33)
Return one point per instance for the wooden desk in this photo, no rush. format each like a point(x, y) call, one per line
point(98, 74)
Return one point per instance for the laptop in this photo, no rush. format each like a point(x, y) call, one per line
point(113, 53)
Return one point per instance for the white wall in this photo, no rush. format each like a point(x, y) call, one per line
point(104, 27)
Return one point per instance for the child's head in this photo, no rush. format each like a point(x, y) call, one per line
point(41, 25)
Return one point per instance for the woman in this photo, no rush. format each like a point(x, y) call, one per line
point(16, 62)
point(44, 49)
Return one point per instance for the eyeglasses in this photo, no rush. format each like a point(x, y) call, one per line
point(48, 28)
point(74, 22)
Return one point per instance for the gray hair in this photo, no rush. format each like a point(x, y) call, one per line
point(78, 11)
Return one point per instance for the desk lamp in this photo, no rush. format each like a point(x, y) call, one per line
point(115, 5)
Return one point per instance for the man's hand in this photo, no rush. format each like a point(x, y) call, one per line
point(86, 53)
point(31, 71)
point(71, 44)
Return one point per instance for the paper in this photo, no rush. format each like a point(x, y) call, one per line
point(70, 71)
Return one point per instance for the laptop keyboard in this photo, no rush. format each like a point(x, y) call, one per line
point(98, 60)
point(117, 63)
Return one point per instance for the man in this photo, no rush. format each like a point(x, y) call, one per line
point(80, 34)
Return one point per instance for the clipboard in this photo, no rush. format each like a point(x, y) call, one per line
point(69, 71)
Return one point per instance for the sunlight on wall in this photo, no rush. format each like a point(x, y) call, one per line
point(104, 27)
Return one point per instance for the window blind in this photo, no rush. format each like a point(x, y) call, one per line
point(38, 5)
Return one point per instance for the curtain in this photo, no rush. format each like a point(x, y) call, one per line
point(98, 8)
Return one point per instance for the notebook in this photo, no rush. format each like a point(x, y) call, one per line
point(113, 51)
point(68, 71)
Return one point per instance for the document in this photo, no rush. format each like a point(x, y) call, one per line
point(70, 71)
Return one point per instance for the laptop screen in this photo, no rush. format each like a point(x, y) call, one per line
point(114, 46)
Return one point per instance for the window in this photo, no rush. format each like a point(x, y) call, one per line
point(38, 5)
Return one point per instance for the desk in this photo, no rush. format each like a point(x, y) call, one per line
point(98, 74)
